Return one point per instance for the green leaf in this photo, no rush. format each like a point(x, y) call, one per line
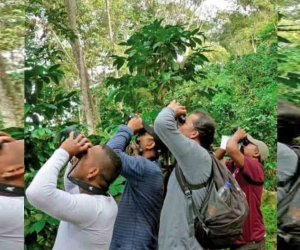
point(195, 31)
point(53, 68)
point(157, 44)
point(37, 226)
point(166, 76)
point(197, 40)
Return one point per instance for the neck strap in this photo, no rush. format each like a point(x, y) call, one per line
point(86, 186)
point(11, 190)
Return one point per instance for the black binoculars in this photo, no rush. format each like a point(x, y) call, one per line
point(245, 141)
point(181, 119)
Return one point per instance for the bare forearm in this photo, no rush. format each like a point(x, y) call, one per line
point(220, 153)
point(232, 149)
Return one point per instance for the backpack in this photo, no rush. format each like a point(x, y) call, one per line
point(288, 208)
point(222, 228)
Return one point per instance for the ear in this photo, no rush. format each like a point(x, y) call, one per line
point(93, 172)
point(256, 154)
point(150, 145)
point(194, 134)
point(13, 171)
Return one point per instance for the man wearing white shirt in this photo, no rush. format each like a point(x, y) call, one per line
point(11, 193)
point(87, 219)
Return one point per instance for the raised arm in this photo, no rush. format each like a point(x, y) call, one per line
point(192, 158)
point(132, 166)
point(42, 193)
point(232, 148)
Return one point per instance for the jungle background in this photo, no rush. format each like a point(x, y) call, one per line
point(91, 63)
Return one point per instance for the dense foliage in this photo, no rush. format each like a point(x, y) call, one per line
point(157, 61)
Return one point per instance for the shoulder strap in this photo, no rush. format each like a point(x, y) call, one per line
point(293, 178)
point(183, 182)
point(248, 179)
point(252, 182)
point(187, 190)
point(188, 193)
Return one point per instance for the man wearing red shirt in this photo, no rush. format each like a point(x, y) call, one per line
point(247, 166)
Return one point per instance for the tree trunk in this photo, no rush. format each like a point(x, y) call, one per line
point(111, 36)
point(254, 42)
point(11, 100)
point(91, 111)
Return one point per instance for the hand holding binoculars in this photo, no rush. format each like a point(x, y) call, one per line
point(66, 134)
point(244, 141)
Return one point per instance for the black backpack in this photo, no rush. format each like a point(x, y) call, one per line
point(288, 208)
point(225, 226)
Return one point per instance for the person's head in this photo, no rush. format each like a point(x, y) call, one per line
point(288, 122)
point(100, 166)
point(149, 142)
point(12, 163)
point(255, 149)
point(199, 126)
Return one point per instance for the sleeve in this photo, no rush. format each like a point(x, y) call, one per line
point(193, 159)
point(229, 165)
point(132, 166)
point(78, 209)
point(68, 184)
point(287, 161)
point(253, 170)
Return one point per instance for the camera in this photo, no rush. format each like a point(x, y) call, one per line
point(66, 134)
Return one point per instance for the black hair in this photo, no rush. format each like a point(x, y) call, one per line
point(288, 122)
point(205, 125)
point(112, 168)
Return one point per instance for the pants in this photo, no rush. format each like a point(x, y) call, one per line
point(260, 245)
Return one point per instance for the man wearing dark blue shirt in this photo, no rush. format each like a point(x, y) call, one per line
point(137, 223)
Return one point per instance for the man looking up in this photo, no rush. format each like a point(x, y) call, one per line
point(87, 219)
point(139, 209)
point(247, 166)
point(189, 143)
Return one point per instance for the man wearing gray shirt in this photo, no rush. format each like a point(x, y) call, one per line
point(189, 144)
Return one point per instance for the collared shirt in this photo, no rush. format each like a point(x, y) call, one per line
point(137, 223)
point(250, 179)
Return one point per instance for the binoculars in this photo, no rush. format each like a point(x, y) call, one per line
point(181, 119)
point(244, 141)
